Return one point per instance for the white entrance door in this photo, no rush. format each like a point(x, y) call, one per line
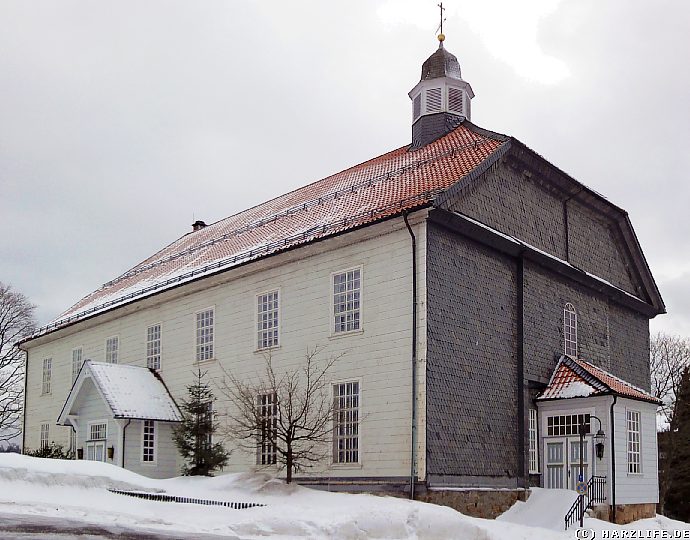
point(563, 462)
point(555, 450)
point(95, 451)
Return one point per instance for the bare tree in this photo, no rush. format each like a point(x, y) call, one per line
point(669, 356)
point(284, 416)
point(17, 321)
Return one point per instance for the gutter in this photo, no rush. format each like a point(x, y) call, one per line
point(413, 449)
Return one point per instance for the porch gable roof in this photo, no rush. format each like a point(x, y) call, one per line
point(131, 392)
point(574, 377)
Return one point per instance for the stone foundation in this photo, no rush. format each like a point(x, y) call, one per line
point(488, 503)
point(625, 513)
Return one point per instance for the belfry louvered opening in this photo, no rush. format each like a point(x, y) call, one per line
point(455, 100)
point(433, 100)
point(416, 107)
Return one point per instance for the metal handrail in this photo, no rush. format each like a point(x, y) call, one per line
point(596, 493)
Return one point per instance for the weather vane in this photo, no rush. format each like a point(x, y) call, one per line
point(441, 37)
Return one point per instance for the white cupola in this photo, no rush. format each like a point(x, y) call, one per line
point(440, 91)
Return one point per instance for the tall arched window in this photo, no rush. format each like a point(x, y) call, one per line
point(570, 330)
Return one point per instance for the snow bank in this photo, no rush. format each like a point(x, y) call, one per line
point(78, 490)
point(545, 508)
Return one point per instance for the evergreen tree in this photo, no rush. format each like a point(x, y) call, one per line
point(193, 436)
point(678, 497)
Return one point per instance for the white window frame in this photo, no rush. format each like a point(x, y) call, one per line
point(154, 357)
point(47, 376)
point(533, 437)
point(569, 330)
point(45, 435)
point(154, 442)
point(112, 354)
point(266, 445)
point(333, 330)
point(633, 448)
point(97, 423)
point(77, 362)
point(335, 455)
point(259, 323)
point(198, 347)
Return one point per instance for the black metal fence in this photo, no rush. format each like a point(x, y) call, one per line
point(163, 497)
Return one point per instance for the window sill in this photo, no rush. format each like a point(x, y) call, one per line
point(205, 362)
point(346, 466)
point(338, 335)
point(266, 349)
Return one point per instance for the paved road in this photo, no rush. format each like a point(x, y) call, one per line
point(26, 527)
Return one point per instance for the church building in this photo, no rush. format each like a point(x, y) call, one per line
point(492, 312)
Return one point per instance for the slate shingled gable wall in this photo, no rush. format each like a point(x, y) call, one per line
point(471, 362)
point(473, 329)
point(522, 206)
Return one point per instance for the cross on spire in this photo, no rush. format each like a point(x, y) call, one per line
point(441, 37)
point(440, 26)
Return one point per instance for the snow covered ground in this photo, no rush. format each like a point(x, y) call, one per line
point(43, 491)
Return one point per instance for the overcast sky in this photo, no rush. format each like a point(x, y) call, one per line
point(122, 121)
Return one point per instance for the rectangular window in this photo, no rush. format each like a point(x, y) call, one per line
point(112, 348)
point(98, 431)
point(204, 335)
point(346, 422)
point(634, 448)
point(47, 375)
point(267, 321)
point(346, 300)
point(566, 424)
point(533, 442)
point(153, 346)
point(76, 363)
point(149, 442)
point(268, 418)
point(45, 433)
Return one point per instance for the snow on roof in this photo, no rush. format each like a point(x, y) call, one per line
point(578, 378)
point(130, 391)
point(382, 187)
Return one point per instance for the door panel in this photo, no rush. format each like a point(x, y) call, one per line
point(555, 463)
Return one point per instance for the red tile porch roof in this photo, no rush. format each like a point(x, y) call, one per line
point(578, 378)
point(385, 186)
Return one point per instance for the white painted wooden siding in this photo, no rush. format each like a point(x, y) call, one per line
point(379, 355)
point(630, 488)
point(166, 464)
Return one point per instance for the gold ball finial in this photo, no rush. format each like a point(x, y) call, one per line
point(441, 37)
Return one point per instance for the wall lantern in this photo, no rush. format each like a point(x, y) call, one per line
point(599, 439)
point(111, 452)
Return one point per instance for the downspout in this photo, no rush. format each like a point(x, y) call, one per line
point(413, 449)
point(26, 378)
point(613, 464)
point(124, 435)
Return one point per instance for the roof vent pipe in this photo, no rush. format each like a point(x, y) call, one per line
point(198, 225)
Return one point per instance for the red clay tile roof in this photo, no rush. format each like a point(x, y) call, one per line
point(382, 187)
point(578, 378)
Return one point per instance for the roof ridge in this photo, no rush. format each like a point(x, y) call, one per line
point(333, 194)
point(618, 379)
point(586, 375)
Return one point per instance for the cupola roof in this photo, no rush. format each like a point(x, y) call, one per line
point(441, 64)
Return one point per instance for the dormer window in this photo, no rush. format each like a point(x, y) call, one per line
point(570, 330)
